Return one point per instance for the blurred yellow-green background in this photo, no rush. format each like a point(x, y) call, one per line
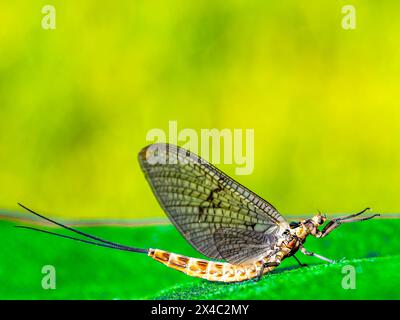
point(77, 102)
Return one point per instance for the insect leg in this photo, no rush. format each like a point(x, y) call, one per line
point(265, 265)
point(355, 214)
point(299, 262)
point(312, 254)
point(336, 222)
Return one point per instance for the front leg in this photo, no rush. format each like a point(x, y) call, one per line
point(336, 222)
point(312, 254)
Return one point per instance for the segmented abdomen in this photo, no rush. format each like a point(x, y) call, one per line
point(210, 270)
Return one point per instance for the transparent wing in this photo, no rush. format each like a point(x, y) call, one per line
point(243, 246)
point(200, 200)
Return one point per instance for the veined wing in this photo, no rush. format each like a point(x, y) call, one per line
point(241, 246)
point(200, 200)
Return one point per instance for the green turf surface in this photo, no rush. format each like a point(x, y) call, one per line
point(374, 280)
point(87, 272)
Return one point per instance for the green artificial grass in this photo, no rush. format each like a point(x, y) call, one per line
point(375, 279)
point(89, 272)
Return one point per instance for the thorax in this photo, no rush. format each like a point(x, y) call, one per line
point(296, 237)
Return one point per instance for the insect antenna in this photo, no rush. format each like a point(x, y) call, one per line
point(103, 242)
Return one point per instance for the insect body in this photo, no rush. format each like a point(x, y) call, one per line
point(243, 233)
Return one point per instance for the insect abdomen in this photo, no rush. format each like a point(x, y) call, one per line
point(209, 270)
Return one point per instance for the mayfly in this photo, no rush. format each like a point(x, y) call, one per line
point(244, 234)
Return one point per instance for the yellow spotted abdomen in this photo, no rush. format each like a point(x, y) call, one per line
point(209, 270)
